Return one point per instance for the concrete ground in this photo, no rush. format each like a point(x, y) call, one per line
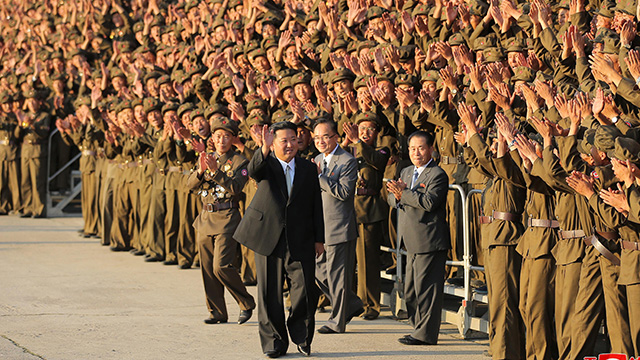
point(64, 297)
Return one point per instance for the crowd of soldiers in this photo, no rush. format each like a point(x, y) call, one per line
point(534, 103)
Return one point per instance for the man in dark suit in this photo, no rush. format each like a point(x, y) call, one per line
point(337, 174)
point(420, 197)
point(284, 226)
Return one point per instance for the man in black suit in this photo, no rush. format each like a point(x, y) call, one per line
point(284, 226)
point(420, 197)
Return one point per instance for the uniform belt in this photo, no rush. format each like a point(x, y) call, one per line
point(571, 234)
point(609, 235)
point(499, 215)
point(174, 169)
point(132, 164)
point(147, 162)
point(33, 142)
point(630, 245)
point(6, 142)
point(187, 172)
point(221, 206)
point(88, 153)
point(370, 192)
point(593, 241)
point(544, 223)
point(450, 160)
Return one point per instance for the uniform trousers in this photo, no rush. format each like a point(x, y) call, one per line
point(598, 292)
point(107, 194)
point(424, 291)
point(217, 253)
point(335, 270)
point(171, 224)
point(9, 186)
point(633, 306)
point(369, 263)
point(537, 293)
point(272, 272)
point(33, 183)
point(506, 332)
point(146, 224)
point(566, 291)
point(89, 201)
point(186, 244)
point(158, 210)
point(124, 216)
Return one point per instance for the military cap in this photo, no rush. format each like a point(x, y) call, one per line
point(319, 114)
point(368, 116)
point(301, 78)
point(123, 105)
point(256, 104)
point(456, 39)
point(234, 3)
point(523, 73)
point(197, 112)
point(150, 104)
point(251, 45)
point(284, 83)
point(493, 55)
point(135, 102)
point(385, 77)
point(541, 76)
point(190, 5)
point(312, 16)
point(478, 8)
point(80, 101)
point(375, 12)
point(627, 149)
point(272, 19)
point(116, 72)
point(605, 136)
point(352, 46)
point(627, 7)
point(339, 43)
point(270, 42)
point(611, 45)
point(237, 50)
point(31, 94)
point(215, 109)
point(57, 55)
point(407, 52)
point(406, 79)
point(484, 42)
point(421, 9)
point(170, 106)
point(225, 123)
point(342, 74)
point(257, 53)
point(164, 79)
point(280, 115)
point(152, 75)
point(563, 4)
point(515, 45)
point(184, 108)
point(217, 23)
point(604, 12)
point(75, 52)
point(58, 77)
point(137, 27)
point(366, 44)
point(124, 47)
point(5, 97)
point(360, 81)
point(225, 44)
point(225, 83)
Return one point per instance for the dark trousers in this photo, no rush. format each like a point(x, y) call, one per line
point(272, 271)
point(424, 290)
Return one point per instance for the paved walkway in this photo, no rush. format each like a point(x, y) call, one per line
point(64, 297)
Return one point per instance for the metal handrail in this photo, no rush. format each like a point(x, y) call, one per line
point(57, 173)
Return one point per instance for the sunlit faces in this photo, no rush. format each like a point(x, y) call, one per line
point(368, 132)
point(155, 119)
point(343, 87)
point(222, 140)
point(303, 92)
point(118, 83)
point(139, 115)
point(201, 127)
point(285, 144)
point(419, 151)
point(325, 138)
point(291, 57)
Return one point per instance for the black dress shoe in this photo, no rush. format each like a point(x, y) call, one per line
point(245, 315)
point(185, 266)
point(274, 353)
point(410, 340)
point(137, 252)
point(214, 320)
point(25, 215)
point(326, 330)
point(304, 350)
point(153, 259)
point(170, 262)
point(370, 316)
point(120, 249)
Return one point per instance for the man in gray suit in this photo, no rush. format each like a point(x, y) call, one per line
point(337, 174)
point(420, 197)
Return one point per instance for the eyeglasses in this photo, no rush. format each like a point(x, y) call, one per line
point(323, 137)
point(367, 128)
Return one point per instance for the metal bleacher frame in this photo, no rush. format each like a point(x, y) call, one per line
point(465, 318)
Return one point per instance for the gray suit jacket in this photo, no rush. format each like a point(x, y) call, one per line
point(338, 187)
point(422, 214)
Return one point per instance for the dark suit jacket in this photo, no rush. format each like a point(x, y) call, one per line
point(272, 212)
point(422, 214)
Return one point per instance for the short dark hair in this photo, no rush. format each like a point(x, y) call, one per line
point(332, 124)
point(428, 137)
point(284, 125)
